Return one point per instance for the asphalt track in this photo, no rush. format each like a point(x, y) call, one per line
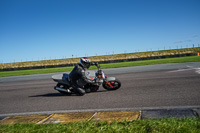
point(144, 87)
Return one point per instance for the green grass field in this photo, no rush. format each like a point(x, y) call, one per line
point(166, 125)
point(103, 66)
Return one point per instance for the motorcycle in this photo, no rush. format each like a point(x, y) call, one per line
point(65, 86)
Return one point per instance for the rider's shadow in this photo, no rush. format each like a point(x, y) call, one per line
point(52, 95)
point(60, 94)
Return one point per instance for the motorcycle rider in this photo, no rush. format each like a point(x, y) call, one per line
point(78, 73)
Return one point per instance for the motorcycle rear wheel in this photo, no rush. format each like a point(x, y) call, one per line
point(114, 85)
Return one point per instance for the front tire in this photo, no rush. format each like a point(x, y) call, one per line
point(112, 85)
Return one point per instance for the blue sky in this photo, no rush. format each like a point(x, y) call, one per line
point(49, 29)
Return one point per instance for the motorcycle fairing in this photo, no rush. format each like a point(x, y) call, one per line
point(110, 79)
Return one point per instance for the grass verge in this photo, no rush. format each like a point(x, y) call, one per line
point(171, 125)
point(103, 66)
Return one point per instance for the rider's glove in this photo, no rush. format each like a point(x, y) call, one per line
point(94, 63)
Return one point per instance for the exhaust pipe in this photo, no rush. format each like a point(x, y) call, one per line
point(61, 89)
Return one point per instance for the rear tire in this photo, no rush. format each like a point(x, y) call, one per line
point(116, 84)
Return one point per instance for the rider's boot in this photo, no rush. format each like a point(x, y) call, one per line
point(87, 90)
point(79, 91)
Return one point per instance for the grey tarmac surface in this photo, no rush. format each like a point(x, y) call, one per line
point(143, 87)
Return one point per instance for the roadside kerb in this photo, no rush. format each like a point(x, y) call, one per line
point(166, 113)
point(73, 117)
point(108, 116)
point(23, 119)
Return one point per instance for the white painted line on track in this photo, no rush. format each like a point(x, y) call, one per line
point(197, 70)
point(181, 70)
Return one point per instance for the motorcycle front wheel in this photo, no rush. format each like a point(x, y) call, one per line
point(112, 85)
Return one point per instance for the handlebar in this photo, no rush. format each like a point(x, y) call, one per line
point(98, 80)
point(96, 64)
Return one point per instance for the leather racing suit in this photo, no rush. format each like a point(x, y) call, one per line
point(78, 73)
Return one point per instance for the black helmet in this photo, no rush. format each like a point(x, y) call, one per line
point(85, 62)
